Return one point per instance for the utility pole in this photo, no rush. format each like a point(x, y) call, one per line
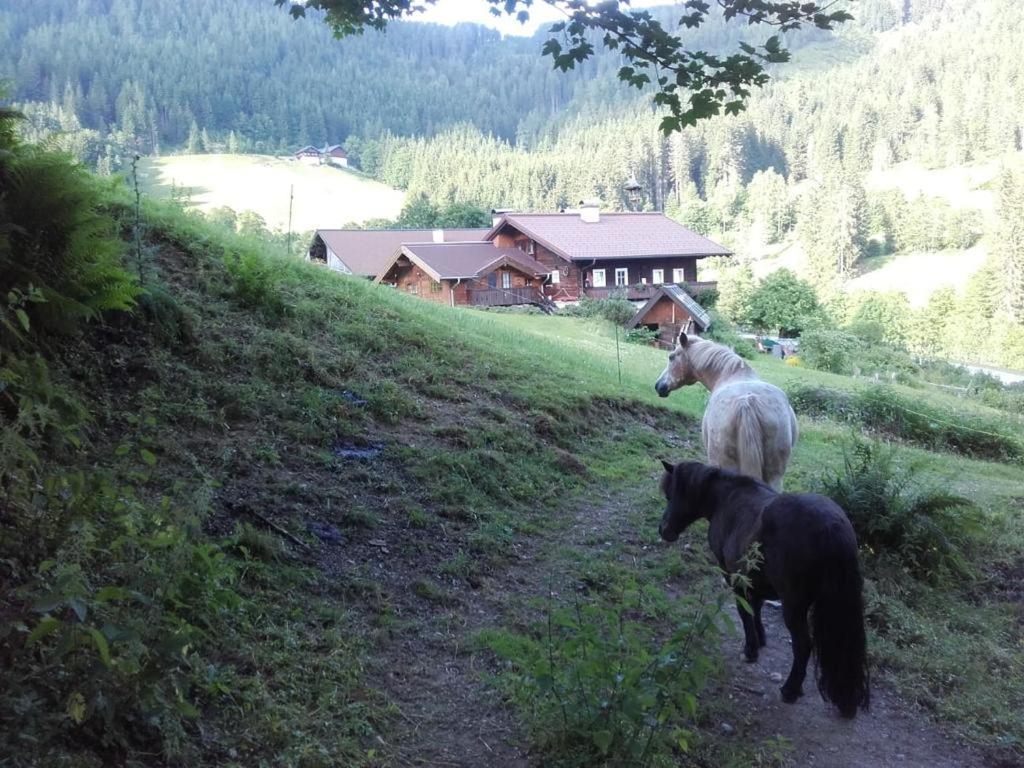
point(291, 197)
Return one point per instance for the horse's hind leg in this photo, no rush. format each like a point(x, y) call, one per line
point(795, 616)
point(762, 639)
point(751, 642)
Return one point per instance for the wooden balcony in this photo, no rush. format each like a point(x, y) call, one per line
point(503, 297)
point(644, 292)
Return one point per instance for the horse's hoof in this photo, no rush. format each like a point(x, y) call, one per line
point(750, 656)
point(789, 697)
point(762, 642)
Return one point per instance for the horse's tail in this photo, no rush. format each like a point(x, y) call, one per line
point(840, 642)
point(749, 440)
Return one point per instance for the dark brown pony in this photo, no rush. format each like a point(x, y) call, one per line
point(808, 559)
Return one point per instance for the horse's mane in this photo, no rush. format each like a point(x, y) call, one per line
point(717, 359)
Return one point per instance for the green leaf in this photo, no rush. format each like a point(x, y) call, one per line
point(106, 594)
point(22, 318)
point(744, 605)
point(78, 605)
point(47, 625)
point(148, 456)
point(603, 741)
point(101, 645)
point(48, 602)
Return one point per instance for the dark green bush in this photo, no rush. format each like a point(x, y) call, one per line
point(925, 531)
point(830, 350)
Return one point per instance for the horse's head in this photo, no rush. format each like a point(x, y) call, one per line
point(678, 484)
point(679, 371)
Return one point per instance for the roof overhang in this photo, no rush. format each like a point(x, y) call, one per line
point(696, 311)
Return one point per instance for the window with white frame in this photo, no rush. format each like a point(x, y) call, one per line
point(556, 277)
point(597, 278)
point(678, 276)
point(658, 276)
point(531, 247)
point(621, 276)
point(506, 279)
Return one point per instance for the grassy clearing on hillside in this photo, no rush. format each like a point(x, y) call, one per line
point(325, 196)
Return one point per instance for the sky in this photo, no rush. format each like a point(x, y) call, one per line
point(478, 11)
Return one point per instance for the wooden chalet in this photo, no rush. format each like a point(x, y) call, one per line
point(466, 274)
point(329, 154)
point(526, 258)
point(589, 253)
point(334, 154)
point(367, 252)
point(669, 311)
point(308, 155)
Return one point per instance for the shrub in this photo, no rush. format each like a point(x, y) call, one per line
point(708, 298)
point(834, 351)
point(926, 531)
point(641, 335)
point(885, 412)
point(597, 687)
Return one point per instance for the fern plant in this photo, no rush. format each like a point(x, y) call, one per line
point(55, 242)
point(927, 531)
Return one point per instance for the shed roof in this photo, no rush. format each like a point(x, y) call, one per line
point(453, 261)
point(612, 236)
point(367, 251)
point(681, 298)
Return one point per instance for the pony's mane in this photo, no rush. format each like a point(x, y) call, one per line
point(715, 358)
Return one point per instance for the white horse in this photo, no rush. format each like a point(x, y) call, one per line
point(749, 425)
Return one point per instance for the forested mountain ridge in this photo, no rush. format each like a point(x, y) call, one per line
point(165, 75)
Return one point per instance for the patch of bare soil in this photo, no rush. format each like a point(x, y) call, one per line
point(892, 733)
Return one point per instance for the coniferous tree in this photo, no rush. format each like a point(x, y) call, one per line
point(1009, 244)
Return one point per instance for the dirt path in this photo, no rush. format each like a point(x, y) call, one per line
point(891, 734)
point(450, 717)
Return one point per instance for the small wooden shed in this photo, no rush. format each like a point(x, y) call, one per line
point(669, 311)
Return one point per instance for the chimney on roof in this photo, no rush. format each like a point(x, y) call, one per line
point(497, 213)
point(590, 212)
point(438, 235)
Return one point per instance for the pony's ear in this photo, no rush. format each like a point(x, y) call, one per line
point(668, 467)
point(682, 339)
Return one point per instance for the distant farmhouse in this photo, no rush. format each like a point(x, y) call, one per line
point(331, 154)
point(531, 258)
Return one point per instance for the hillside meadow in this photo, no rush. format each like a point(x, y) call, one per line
point(290, 513)
point(324, 196)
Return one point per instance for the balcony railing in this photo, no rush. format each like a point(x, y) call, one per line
point(644, 292)
point(503, 297)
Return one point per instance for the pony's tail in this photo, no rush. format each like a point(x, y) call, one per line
point(840, 643)
point(749, 440)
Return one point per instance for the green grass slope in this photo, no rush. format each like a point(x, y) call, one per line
point(280, 485)
point(325, 196)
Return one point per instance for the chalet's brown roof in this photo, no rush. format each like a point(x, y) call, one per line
point(613, 236)
point(453, 261)
point(366, 251)
point(675, 294)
